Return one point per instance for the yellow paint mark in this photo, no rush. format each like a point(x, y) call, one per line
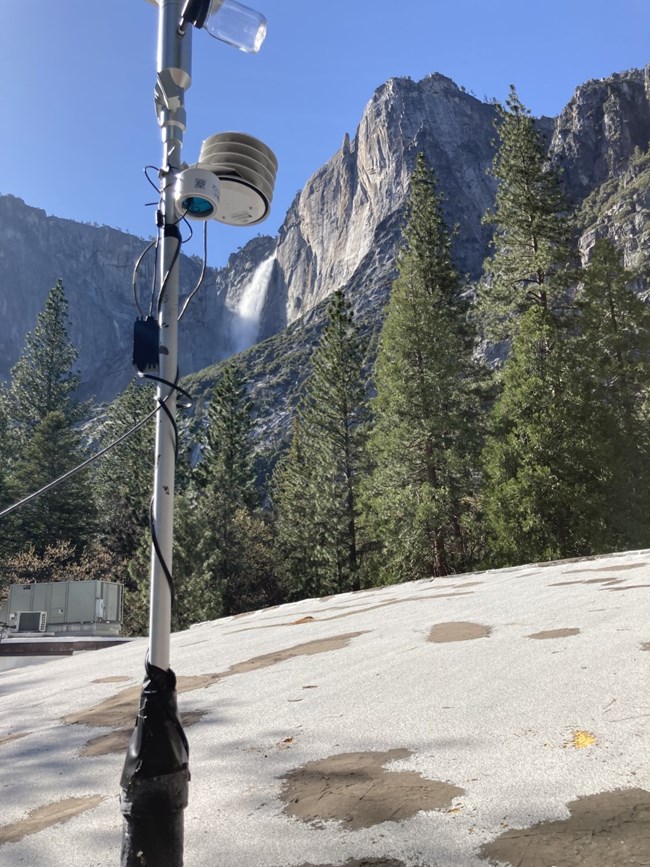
point(582, 739)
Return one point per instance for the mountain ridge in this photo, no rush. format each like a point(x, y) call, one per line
point(341, 231)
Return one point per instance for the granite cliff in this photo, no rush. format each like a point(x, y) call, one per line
point(342, 230)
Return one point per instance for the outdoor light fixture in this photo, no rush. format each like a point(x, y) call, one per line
point(227, 21)
point(232, 182)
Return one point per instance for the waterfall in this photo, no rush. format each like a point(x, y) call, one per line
point(248, 309)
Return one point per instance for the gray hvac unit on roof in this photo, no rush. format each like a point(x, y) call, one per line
point(78, 607)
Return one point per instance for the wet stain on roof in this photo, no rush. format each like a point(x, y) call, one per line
point(555, 633)
point(117, 741)
point(357, 790)
point(120, 710)
point(14, 736)
point(441, 633)
point(609, 829)
point(46, 816)
point(363, 862)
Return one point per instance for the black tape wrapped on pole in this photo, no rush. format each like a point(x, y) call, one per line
point(155, 779)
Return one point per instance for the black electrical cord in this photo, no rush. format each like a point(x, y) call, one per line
point(83, 465)
point(170, 227)
point(169, 230)
point(146, 174)
point(173, 386)
point(152, 299)
point(163, 405)
point(134, 278)
point(189, 226)
point(202, 274)
point(159, 555)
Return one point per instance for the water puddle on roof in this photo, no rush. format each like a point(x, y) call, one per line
point(357, 790)
point(605, 830)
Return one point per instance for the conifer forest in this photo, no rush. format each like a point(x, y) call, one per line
point(479, 425)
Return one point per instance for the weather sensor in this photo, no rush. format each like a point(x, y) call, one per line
point(246, 169)
point(196, 194)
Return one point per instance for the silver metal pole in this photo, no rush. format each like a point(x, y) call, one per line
point(156, 769)
point(174, 59)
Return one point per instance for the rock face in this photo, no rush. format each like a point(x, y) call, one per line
point(341, 216)
point(342, 230)
point(596, 134)
point(96, 265)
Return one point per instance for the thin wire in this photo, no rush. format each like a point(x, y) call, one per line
point(183, 219)
point(201, 276)
point(152, 521)
point(159, 554)
point(177, 253)
point(134, 278)
point(189, 226)
point(83, 465)
point(174, 385)
point(152, 299)
point(146, 174)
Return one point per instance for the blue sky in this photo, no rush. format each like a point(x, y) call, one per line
point(77, 100)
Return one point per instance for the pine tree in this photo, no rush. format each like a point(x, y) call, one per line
point(424, 440)
point(531, 265)
point(615, 326)
point(548, 465)
point(333, 414)
point(124, 477)
point(41, 414)
point(221, 559)
point(226, 497)
point(615, 347)
point(548, 468)
point(301, 563)
point(65, 513)
point(316, 487)
point(566, 459)
point(205, 557)
point(226, 468)
point(42, 380)
point(196, 598)
point(5, 446)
